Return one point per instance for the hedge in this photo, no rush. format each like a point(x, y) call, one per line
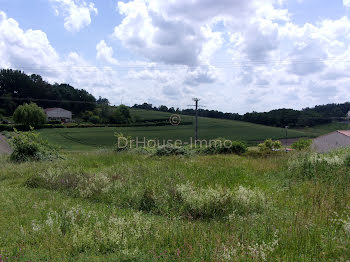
point(10, 127)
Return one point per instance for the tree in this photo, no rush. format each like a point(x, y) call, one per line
point(95, 119)
point(16, 86)
point(29, 115)
point(121, 115)
point(163, 108)
point(102, 101)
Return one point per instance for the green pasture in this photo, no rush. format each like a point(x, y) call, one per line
point(81, 139)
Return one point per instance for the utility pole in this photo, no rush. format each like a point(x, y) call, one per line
point(196, 100)
point(286, 127)
point(348, 120)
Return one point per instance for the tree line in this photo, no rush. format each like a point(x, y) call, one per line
point(16, 88)
point(317, 115)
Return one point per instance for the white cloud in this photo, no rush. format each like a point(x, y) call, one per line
point(200, 75)
point(105, 53)
point(32, 52)
point(180, 32)
point(77, 13)
point(346, 3)
point(236, 55)
point(156, 37)
point(29, 49)
point(260, 39)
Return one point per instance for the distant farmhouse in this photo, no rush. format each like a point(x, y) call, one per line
point(334, 140)
point(58, 114)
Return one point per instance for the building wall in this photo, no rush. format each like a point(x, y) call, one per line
point(331, 141)
point(59, 113)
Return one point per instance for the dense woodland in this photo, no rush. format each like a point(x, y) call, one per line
point(17, 88)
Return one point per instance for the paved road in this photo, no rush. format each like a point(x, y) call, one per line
point(4, 146)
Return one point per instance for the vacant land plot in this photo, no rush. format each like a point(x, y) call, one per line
point(122, 207)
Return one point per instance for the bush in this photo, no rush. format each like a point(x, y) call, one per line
point(224, 146)
point(54, 122)
point(179, 200)
point(171, 150)
point(210, 202)
point(270, 145)
point(95, 119)
point(302, 144)
point(28, 146)
point(347, 161)
point(29, 115)
point(323, 167)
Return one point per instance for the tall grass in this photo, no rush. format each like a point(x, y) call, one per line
point(122, 207)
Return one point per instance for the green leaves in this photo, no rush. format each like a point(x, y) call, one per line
point(302, 144)
point(29, 115)
point(29, 146)
point(225, 146)
point(270, 145)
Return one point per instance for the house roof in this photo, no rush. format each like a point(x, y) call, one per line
point(51, 109)
point(344, 132)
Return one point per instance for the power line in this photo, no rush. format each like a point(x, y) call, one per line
point(216, 64)
point(45, 100)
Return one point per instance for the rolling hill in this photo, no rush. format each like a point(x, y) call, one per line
point(86, 139)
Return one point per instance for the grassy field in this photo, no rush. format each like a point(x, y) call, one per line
point(121, 207)
point(92, 138)
point(150, 115)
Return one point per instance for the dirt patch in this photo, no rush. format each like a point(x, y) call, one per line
point(4, 146)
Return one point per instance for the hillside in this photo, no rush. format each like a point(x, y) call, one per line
point(209, 128)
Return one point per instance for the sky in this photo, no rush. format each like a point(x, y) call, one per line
point(235, 55)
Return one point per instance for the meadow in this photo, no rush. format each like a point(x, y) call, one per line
point(107, 206)
point(87, 139)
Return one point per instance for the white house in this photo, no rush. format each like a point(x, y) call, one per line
point(334, 140)
point(58, 114)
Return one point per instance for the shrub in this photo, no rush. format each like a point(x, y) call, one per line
point(347, 161)
point(224, 146)
point(302, 144)
point(217, 202)
point(29, 115)
point(93, 232)
point(28, 146)
point(171, 150)
point(270, 145)
point(54, 122)
point(95, 119)
point(325, 167)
